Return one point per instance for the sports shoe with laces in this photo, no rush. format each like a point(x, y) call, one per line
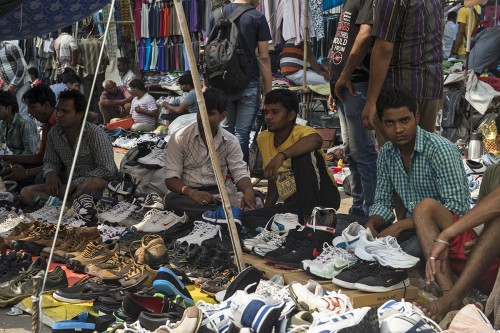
point(12, 221)
point(264, 237)
point(109, 232)
point(349, 276)
point(310, 247)
point(152, 251)
point(402, 316)
point(94, 253)
point(48, 213)
point(189, 323)
point(270, 287)
point(126, 186)
point(221, 282)
point(76, 240)
point(159, 220)
point(44, 233)
point(134, 217)
point(119, 212)
point(350, 237)
point(13, 263)
point(383, 279)
point(201, 231)
point(259, 313)
point(22, 230)
point(156, 157)
point(276, 241)
point(112, 269)
point(283, 222)
point(138, 274)
point(217, 317)
point(330, 262)
point(324, 219)
point(294, 239)
point(218, 215)
point(332, 322)
point(84, 205)
point(23, 286)
point(385, 250)
point(152, 200)
point(305, 300)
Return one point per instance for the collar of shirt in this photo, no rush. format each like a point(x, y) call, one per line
point(219, 137)
point(14, 121)
point(419, 142)
point(60, 130)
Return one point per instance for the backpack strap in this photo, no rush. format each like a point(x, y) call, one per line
point(238, 12)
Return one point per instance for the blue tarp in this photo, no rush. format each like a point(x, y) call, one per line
point(36, 17)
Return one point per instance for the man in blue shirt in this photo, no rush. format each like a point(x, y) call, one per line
point(415, 165)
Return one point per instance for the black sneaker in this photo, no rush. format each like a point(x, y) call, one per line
point(294, 240)
point(349, 276)
point(247, 277)
point(12, 264)
point(191, 254)
point(308, 250)
point(324, 219)
point(383, 279)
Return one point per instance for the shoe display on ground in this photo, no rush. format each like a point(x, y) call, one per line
point(11, 222)
point(49, 213)
point(126, 186)
point(94, 253)
point(294, 239)
point(259, 313)
point(23, 285)
point(156, 157)
point(385, 250)
point(152, 251)
point(264, 237)
point(76, 240)
point(349, 238)
point(110, 232)
point(282, 223)
point(218, 215)
point(152, 201)
point(13, 263)
point(306, 300)
point(330, 262)
point(158, 220)
point(84, 323)
point(383, 279)
point(402, 316)
point(168, 283)
point(201, 231)
point(119, 212)
point(262, 249)
point(349, 276)
point(114, 268)
point(324, 219)
point(331, 322)
point(137, 275)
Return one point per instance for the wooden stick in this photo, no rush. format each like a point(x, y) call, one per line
point(306, 43)
point(35, 311)
point(233, 232)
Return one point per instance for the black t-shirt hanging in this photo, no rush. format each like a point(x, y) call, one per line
point(354, 13)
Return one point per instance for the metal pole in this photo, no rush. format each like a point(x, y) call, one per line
point(233, 232)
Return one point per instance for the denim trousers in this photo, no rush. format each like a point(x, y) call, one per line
point(359, 147)
point(241, 112)
point(312, 78)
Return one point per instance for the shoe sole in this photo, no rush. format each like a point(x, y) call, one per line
point(344, 284)
point(288, 265)
point(70, 300)
point(316, 273)
point(170, 290)
point(381, 289)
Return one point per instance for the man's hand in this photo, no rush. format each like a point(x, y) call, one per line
point(439, 253)
point(248, 201)
point(12, 89)
point(201, 197)
point(394, 230)
point(15, 173)
point(106, 102)
point(468, 246)
point(343, 82)
point(271, 170)
point(139, 110)
point(368, 116)
point(53, 184)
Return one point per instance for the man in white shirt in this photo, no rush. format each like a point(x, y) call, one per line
point(66, 50)
point(126, 74)
point(450, 31)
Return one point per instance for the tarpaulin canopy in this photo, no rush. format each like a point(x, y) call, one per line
point(31, 18)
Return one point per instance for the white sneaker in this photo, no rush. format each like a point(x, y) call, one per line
point(118, 213)
point(404, 317)
point(217, 317)
point(153, 200)
point(305, 300)
point(332, 322)
point(349, 238)
point(201, 231)
point(264, 237)
point(324, 219)
point(158, 220)
point(6, 196)
point(385, 250)
point(330, 262)
point(283, 222)
point(270, 287)
point(157, 155)
point(108, 232)
point(11, 222)
point(47, 214)
point(261, 249)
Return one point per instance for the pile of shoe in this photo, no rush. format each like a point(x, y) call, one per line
point(357, 260)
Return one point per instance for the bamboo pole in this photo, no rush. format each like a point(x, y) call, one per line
point(35, 298)
point(235, 240)
point(306, 43)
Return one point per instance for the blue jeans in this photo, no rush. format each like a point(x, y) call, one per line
point(359, 147)
point(241, 112)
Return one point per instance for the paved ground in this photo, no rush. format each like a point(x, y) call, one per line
point(22, 323)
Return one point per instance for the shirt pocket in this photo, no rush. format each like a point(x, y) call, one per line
point(85, 156)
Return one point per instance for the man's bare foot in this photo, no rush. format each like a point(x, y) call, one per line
point(437, 310)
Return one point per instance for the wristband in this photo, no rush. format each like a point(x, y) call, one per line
point(286, 157)
point(437, 240)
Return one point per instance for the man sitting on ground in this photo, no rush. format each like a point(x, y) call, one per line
point(95, 165)
point(41, 101)
point(291, 154)
point(124, 71)
point(69, 80)
point(17, 131)
point(447, 245)
point(143, 110)
point(416, 165)
point(115, 101)
point(189, 173)
point(188, 103)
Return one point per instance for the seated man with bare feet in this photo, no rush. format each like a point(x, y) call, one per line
point(456, 248)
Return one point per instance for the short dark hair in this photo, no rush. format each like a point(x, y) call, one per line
point(6, 99)
point(68, 29)
point(77, 97)
point(186, 79)
point(215, 99)
point(285, 97)
point(452, 16)
point(39, 94)
point(70, 76)
point(137, 83)
point(123, 60)
point(392, 98)
point(33, 71)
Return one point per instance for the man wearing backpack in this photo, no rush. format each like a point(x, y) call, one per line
point(254, 33)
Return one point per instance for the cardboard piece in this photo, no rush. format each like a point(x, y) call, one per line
point(358, 298)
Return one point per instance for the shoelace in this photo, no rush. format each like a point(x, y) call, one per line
point(408, 309)
point(205, 307)
point(91, 250)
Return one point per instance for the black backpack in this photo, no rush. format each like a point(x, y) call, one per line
point(226, 65)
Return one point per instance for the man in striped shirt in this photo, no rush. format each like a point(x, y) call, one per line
point(292, 65)
point(422, 168)
point(407, 53)
point(13, 71)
